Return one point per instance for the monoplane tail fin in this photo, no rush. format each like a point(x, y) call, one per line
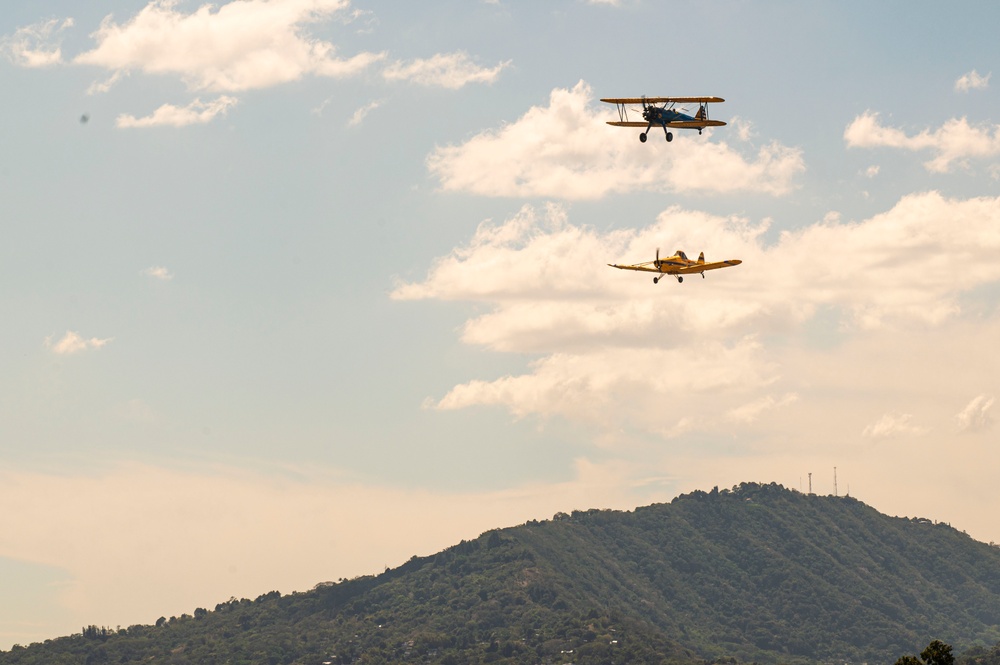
point(701, 257)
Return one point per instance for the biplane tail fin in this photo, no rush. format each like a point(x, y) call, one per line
point(701, 257)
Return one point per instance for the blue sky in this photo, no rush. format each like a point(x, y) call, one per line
point(296, 289)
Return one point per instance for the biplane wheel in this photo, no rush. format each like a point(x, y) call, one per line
point(642, 137)
point(670, 137)
point(679, 279)
point(656, 280)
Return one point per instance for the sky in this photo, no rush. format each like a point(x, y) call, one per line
point(295, 290)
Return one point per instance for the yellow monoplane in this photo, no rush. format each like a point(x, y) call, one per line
point(677, 265)
point(660, 112)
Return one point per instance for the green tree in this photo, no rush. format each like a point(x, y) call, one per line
point(936, 653)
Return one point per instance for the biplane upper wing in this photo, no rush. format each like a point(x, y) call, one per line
point(702, 267)
point(663, 100)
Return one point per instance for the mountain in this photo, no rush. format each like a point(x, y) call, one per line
point(757, 573)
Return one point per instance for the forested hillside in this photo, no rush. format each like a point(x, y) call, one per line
point(756, 573)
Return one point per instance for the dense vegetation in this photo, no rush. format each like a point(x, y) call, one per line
point(756, 573)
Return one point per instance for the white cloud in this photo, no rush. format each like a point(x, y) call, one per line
point(99, 87)
point(893, 425)
point(614, 349)
point(240, 45)
point(976, 414)
point(566, 150)
point(36, 45)
point(897, 266)
point(72, 342)
point(358, 117)
point(168, 115)
point(446, 70)
point(872, 171)
point(972, 81)
point(158, 272)
point(955, 142)
point(751, 411)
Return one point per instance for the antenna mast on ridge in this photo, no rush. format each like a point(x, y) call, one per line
point(835, 481)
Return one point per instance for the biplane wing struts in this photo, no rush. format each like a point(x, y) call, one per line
point(661, 112)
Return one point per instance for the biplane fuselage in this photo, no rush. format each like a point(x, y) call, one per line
point(661, 112)
point(677, 265)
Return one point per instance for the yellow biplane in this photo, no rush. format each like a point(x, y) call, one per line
point(677, 265)
point(660, 111)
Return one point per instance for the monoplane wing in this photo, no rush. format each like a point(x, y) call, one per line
point(702, 267)
point(649, 266)
point(663, 100)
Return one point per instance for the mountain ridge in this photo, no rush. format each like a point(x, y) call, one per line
point(753, 573)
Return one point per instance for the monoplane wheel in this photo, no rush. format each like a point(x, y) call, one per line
point(679, 279)
point(670, 137)
point(656, 280)
point(642, 137)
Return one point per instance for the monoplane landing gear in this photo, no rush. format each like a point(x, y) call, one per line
point(679, 279)
point(656, 280)
point(670, 137)
point(642, 137)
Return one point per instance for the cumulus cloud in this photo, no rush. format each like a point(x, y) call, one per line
point(240, 45)
point(955, 142)
point(893, 425)
point(158, 272)
point(976, 414)
point(168, 115)
point(36, 45)
point(599, 333)
point(566, 150)
point(972, 81)
point(72, 343)
point(446, 70)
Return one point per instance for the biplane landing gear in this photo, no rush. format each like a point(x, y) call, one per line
point(670, 137)
point(656, 280)
point(642, 137)
point(679, 279)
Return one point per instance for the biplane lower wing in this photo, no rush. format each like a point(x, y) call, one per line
point(683, 124)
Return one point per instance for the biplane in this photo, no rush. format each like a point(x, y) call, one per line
point(677, 265)
point(662, 112)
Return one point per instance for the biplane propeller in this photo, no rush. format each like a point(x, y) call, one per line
point(662, 112)
point(677, 265)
